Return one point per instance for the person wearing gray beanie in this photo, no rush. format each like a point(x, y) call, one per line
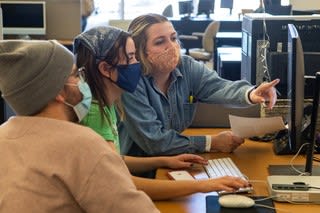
point(49, 163)
point(32, 73)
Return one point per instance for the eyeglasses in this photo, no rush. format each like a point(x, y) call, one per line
point(81, 73)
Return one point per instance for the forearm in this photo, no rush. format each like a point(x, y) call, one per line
point(143, 164)
point(166, 189)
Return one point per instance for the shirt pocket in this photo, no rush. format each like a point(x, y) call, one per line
point(189, 110)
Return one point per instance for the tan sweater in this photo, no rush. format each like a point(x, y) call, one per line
point(47, 165)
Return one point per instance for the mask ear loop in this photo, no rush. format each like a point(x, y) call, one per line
point(81, 73)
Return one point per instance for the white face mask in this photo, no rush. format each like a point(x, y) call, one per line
point(83, 107)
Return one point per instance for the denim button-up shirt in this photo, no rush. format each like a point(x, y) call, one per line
point(154, 121)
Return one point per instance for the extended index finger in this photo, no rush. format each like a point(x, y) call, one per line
point(270, 84)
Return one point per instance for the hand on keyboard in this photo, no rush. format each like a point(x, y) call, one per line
point(225, 184)
point(222, 167)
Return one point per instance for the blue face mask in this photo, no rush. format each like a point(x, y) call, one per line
point(83, 107)
point(128, 76)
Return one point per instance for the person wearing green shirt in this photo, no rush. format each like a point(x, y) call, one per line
point(106, 55)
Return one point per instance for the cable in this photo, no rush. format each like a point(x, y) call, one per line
point(313, 187)
point(268, 207)
point(294, 157)
point(264, 47)
point(297, 203)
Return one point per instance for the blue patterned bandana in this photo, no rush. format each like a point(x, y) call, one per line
point(99, 40)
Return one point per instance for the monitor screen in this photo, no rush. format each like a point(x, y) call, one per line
point(24, 17)
point(278, 9)
point(226, 4)
point(206, 7)
point(295, 88)
point(185, 7)
point(273, 2)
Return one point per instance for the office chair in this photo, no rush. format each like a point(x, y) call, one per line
point(206, 52)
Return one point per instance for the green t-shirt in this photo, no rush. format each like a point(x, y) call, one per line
point(94, 121)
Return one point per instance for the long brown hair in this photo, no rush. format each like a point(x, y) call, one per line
point(85, 58)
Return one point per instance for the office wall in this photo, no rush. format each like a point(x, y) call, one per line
point(305, 4)
point(63, 18)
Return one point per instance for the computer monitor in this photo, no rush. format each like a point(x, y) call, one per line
point(186, 8)
point(272, 2)
point(227, 4)
point(206, 7)
point(24, 17)
point(301, 127)
point(295, 89)
point(278, 9)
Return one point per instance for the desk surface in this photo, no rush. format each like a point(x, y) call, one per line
point(66, 42)
point(252, 158)
point(231, 35)
point(230, 54)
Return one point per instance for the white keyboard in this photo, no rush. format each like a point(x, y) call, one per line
point(225, 167)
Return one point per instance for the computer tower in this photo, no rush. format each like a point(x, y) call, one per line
point(259, 39)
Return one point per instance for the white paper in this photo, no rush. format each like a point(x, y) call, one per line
point(247, 127)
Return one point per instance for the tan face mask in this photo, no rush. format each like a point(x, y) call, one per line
point(167, 60)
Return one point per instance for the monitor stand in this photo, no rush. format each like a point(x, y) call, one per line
point(24, 37)
point(281, 145)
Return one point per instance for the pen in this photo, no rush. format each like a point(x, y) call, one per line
point(190, 98)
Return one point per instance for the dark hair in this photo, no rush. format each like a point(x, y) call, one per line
point(85, 58)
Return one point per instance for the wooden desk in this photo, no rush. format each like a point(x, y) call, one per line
point(67, 43)
point(252, 158)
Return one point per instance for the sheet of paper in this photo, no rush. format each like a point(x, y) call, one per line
point(247, 127)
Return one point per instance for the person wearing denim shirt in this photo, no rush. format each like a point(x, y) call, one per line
point(164, 103)
point(106, 58)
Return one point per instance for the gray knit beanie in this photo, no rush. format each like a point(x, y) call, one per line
point(32, 73)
